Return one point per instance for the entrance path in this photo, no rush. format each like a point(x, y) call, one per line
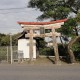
point(39, 72)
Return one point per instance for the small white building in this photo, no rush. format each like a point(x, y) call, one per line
point(23, 48)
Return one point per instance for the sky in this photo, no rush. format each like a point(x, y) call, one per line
point(9, 16)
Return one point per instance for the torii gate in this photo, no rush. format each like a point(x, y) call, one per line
point(33, 30)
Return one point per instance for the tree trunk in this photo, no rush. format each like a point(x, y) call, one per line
point(71, 54)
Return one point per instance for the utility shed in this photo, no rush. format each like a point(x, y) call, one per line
point(23, 47)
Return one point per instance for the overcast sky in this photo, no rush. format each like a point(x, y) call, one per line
point(9, 18)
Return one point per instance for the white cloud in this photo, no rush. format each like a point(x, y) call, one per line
point(9, 18)
point(12, 3)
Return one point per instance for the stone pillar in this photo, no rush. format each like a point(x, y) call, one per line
point(55, 46)
point(31, 45)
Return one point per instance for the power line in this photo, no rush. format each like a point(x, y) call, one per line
point(13, 8)
point(13, 12)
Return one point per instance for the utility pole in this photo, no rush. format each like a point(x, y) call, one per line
point(7, 53)
point(11, 49)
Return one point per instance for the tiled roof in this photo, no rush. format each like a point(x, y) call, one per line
point(42, 23)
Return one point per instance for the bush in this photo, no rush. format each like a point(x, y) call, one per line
point(49, 51)
point(62, 50)
point(46, 51)
point(76, 50)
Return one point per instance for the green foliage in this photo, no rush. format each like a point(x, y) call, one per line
point(78, 18)
point(41, 43)
point(5, 41)
point(76, 50)
point(46, 51)
point(1, 35)
point(14, 39)
point(49, 51)
point(76, 46)
point(69, 27)
point(62, 50)
point(4, 50)
point(55, 9)
point(3, 53)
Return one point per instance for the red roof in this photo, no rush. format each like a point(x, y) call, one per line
point(42, 23)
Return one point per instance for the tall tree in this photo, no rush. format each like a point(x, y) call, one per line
point(1, 35)
point(55, 9)
point(69, 29)
point(5, 41)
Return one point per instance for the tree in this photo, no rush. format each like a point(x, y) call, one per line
point(15, 39)
point(1, 35)
point(78, 17)
point(5, 41)
point(70, 29)
point(55, 9)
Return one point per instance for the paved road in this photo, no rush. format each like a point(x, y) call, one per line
point(39, 72)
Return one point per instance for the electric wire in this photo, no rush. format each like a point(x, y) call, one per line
point(13, 8)
point(6, 11)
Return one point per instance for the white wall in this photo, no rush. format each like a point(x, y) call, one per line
point(23, 48)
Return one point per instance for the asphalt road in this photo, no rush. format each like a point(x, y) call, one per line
point(39, 72)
